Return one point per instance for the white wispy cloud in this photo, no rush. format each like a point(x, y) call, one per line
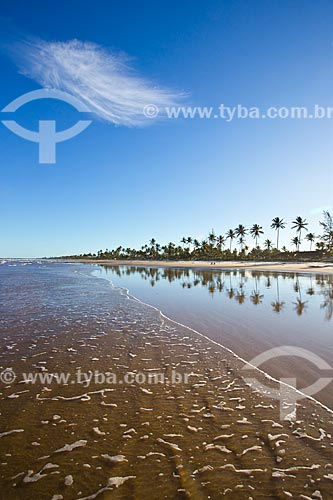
point(104, 81)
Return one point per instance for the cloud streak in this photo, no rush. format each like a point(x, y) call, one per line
point(102, 80)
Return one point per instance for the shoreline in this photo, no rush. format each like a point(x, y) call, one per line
point(300, 267)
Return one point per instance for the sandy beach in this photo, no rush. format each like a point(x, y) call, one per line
point(115, 432)
point(300, 267)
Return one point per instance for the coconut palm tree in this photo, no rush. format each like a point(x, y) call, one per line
point(170, 249)
point(255, 232)
point(183, 241)
point(212, 237)
point(295, 241)
point(299, 225)
point(241, 242)
point(189, 241)
point(310, 237)
point(231, 235)
point(241, 232)
point(220, 241)
point(278, 224)
point(327, 225)
point(196, 244)
point(268, 244)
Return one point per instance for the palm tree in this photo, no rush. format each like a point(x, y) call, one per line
point(241, 242)
point(183, 240)
point(212, 237)
point(152, 244)
point(241, 232)
point(295, 241)
point(220, 241)
point(299, 224)
point(255, 232)
point(231, 235)
point(171, 248)
point(278, 224)
point(268, 244)
point(327, 225)
point(310, 237)
point(196, 244)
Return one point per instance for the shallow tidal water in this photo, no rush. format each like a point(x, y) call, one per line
point(209, 435)
point(246, 311)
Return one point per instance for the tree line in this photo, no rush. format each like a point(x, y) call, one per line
point(232, 245)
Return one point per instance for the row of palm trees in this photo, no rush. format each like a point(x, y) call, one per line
point(221, 246)
point(240, 232)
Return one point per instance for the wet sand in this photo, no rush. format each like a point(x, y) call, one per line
point(240, 313)
point(212, 436)
point(300, 267)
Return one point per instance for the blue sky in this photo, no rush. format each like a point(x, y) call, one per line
point(115, 184)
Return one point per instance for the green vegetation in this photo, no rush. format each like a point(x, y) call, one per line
point(215, 247)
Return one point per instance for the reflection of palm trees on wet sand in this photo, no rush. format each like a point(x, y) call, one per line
point(240, 295)
point(277, 305)
point(230, 290)
point(300, 306)
point(234, 284)
point(310, 291)
point(256, 297)
point(328, 300)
